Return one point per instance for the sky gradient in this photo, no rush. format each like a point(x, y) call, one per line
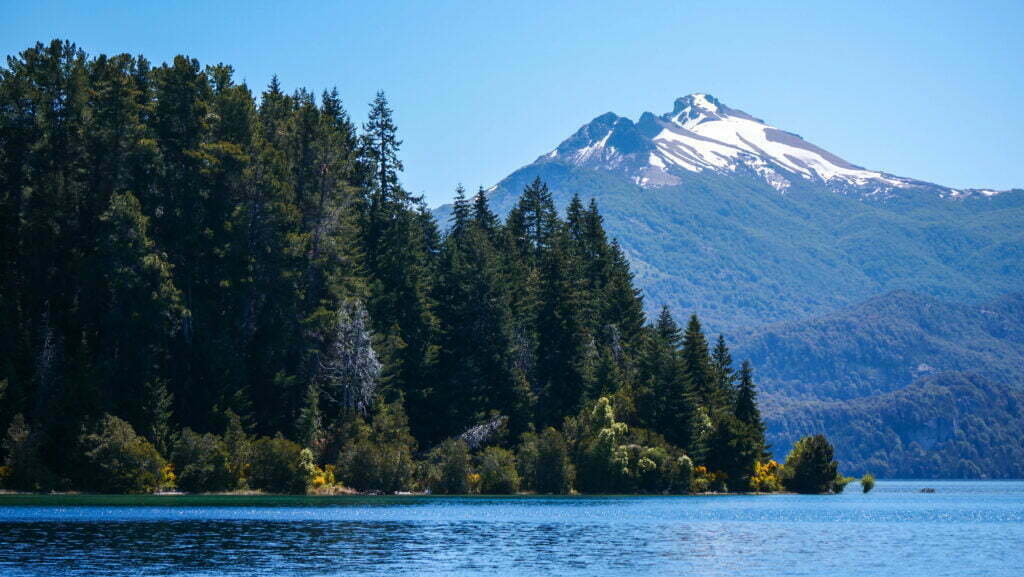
point(929, 90)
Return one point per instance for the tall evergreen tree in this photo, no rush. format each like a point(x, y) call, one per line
point(698, 365)
point(400, 259)
point(533, 223)
point(562, 340)
point(664, 393)
point(475, 369)
point(746, 406)
point(725, 376)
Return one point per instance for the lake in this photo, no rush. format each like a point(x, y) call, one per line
point(964, 528)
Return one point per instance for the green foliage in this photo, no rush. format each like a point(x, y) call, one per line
point(841, 482)
point(498, 473)
point(201, 463)
point(892, 376)
point(554, 471)
point(886, 343)
point(277, 466)
point(450, 468)
point(191, 256)
point(867, 482)
point(950, 425)
point(810, 467)
point(23, 468)
point(378, 456)
point(119, 460)
point(239, 448)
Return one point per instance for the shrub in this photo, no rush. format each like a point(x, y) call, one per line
point(201, 463)
point(554, 471)
point(239, 448)
point(378, 457)
point(603, 462)
point(867, 482)
point(685, 475)
point(658, 470)
point(810, 467)
point(526, 460)
point(121, 461)
point(766, 478)
point(23, 470)
point(449, 468)
point(498, 474)
point(840, 483)
point(277, 466)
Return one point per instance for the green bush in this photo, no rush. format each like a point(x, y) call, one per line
point(602, 461)
point(449, 468)
point(498, 474)
point(684, 475)
point(526, 460)
point(810, 467)
point(23, 470)
point(201, 463)
point(239, 448)
point(554, 471)
point(378, 457)
point(277, 466)
point(121, 461)
point(867, 482)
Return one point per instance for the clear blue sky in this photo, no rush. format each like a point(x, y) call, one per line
point(931, 90)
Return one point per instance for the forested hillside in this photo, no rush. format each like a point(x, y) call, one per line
point(907, 385)
point(211, 289)
point(951, 425)
point(887, 342)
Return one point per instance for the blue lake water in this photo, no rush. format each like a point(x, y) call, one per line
point(964, 528)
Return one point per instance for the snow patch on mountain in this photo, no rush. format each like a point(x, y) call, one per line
point(702, 134)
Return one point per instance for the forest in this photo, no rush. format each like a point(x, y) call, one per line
point(207, 289)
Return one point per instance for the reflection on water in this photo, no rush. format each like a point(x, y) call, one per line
point(964, 528)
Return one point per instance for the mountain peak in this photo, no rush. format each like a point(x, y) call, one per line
point(696, 101)
point(702, 134)
point(693, 109)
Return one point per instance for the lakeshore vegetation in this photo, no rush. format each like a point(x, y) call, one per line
point(210, 290)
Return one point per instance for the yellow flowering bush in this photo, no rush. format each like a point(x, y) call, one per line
point(767, 477)
point(168, 480)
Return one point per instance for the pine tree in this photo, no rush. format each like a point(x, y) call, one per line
point(399, 243)
point(746, 407)
point(664, 394)
point(482, 216)
point(697, 363)
point(141, 313)
point(562, 340)
point(474, 368)
point(667, 329)
point(725, 377)
point(621, 302)
point(460, 213)
point(533, 223)
point(380, 151)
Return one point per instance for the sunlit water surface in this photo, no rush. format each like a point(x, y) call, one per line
point(964, 528)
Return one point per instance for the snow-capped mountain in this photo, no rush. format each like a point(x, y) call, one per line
point(723, 213)
point(702, 134)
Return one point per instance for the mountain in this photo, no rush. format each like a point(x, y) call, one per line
point(905, 385)
point(722, 213)
point(881, 309)
point(702, 134)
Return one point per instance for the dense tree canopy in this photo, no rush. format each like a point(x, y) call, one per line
point(243, 283)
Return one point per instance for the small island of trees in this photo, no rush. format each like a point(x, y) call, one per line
point(207, 291)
